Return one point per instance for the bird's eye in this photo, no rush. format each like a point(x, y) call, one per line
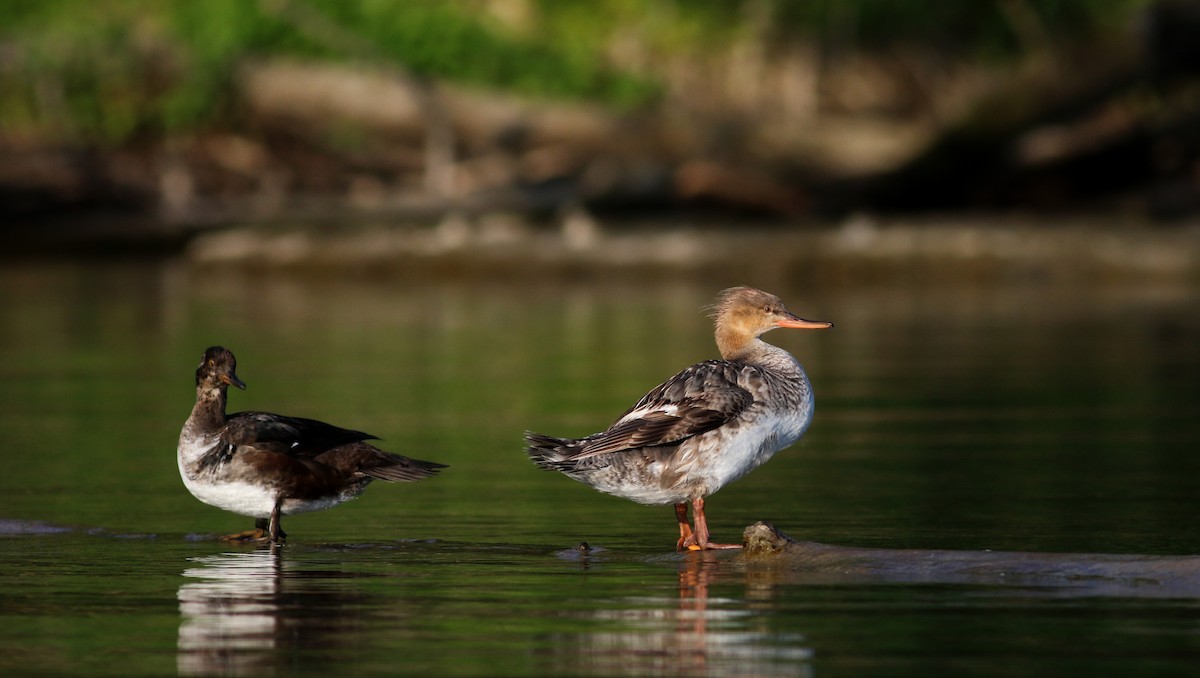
point(212, 363)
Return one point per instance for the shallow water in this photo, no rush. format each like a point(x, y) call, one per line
point(1027, 417)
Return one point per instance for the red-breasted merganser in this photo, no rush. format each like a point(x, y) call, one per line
point(266, 465)
point(704, 427)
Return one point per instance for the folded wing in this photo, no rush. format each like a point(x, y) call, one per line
point(293, 436)
point(697, 400)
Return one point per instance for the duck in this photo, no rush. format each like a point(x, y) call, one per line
point(266, 466)
point(703, 428)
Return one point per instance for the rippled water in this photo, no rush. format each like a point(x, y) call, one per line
point(1019, 417)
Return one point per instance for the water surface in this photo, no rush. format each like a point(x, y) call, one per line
point(1005, 416)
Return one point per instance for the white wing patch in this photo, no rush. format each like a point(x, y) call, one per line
point(669, 409)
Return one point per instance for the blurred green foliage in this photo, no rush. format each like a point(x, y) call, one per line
point(109, 71)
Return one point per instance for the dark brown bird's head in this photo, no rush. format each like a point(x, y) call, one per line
point(218, 369)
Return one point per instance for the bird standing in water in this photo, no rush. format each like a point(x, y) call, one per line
point(703, 428)
point(266, 465)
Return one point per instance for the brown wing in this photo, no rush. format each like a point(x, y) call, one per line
point(697, 400)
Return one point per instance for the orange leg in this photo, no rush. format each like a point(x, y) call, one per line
point(258, 534)
point(701, 536)
point(687, 540)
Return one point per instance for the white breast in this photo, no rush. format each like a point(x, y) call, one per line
point(256, 501)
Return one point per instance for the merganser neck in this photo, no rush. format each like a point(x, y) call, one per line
point(209, 412)
point(747, 348)
point(735, 343)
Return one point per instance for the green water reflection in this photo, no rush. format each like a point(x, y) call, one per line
point(1000, 417)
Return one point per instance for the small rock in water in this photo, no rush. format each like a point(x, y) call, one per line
point(582, 550)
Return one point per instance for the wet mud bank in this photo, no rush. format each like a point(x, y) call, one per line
point(1072, 573)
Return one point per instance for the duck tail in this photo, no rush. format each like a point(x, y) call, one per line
point(401, 469)
point(548, 452)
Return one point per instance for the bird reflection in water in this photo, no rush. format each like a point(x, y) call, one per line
point(248, 612)
point(695, 634)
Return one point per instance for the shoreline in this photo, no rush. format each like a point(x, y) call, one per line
point(935, 249)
